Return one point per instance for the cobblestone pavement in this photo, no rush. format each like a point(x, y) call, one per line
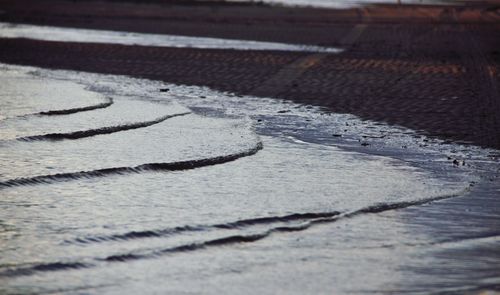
point(432, 69)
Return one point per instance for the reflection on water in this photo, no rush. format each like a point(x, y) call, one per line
point(48, 33)
point(231, 214)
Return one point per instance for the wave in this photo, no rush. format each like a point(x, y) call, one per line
point(103, 105)
point(310, 219)
point(327, 217)
point(172, 166)
point(109, 101)
point(99, 131)
point(189, 228)
point(43, 267)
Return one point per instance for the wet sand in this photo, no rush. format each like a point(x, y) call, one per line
point(429, 68)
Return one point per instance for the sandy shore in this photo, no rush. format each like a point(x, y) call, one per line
point(434, 69)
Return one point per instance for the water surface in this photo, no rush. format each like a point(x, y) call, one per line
point(226, 194)
point(49, 33)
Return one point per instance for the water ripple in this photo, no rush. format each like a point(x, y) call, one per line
point(310, 219)
point(99, 131)
point(77, 110)
point(172, 166)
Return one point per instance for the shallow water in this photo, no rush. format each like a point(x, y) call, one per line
point(48, 33)
point(21, 96)
point(233, 195)
point(122, 114)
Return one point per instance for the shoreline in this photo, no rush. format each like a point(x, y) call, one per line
point(420, 73)
point(429, 223)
